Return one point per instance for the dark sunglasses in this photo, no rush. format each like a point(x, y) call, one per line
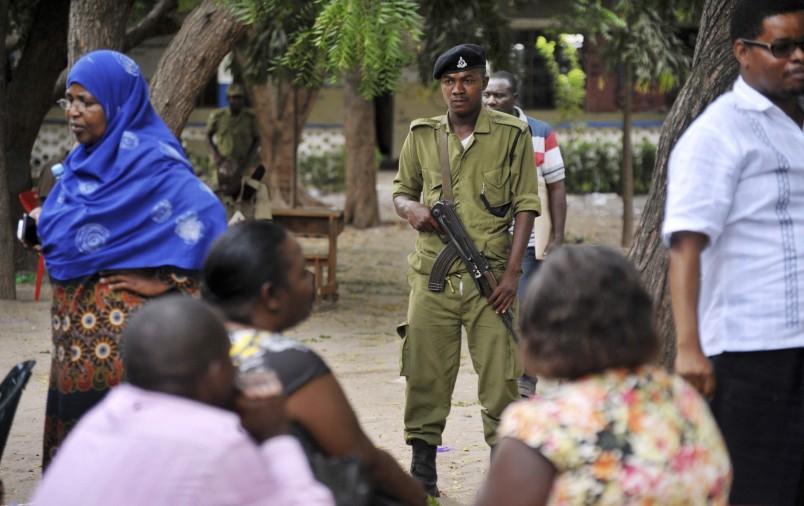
point(783, 49)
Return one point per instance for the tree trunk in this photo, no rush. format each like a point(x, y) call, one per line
point(274, 103)
point(30, 88)
point(713, 71)
point(361, 208)
point(190, 61)
point(96, 24)
point(7, 278)
point(627, 176)
point(31, 85)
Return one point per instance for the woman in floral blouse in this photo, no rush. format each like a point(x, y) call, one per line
point(618, 429)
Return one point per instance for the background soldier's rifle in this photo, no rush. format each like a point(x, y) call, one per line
point(460, 245)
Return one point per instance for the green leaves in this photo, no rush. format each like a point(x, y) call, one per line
point(641, 33)
point(319, 41)
point(371, 39)
point(276, 27)
point(570, 87)
point(594, 164)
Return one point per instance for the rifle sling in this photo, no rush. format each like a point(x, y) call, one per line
point(438, 274)
point(443, 153)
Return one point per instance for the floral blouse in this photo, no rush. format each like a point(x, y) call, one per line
point(625, 437)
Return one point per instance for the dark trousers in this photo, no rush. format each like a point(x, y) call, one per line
point(529, 267)
point(759, 406)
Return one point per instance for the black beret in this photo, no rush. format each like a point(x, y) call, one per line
point(459, 58)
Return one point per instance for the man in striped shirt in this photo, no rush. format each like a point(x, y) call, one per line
point(548, 230)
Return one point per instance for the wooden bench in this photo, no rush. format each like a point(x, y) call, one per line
point(317, 223)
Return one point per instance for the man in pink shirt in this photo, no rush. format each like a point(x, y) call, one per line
point(178, 432)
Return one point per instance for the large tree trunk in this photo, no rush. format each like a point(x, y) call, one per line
point(627, 175)
point(713, 71)
point(190, 61)
point(361, 208)
point(29, 88)
point(274, 102)
point(7, 279)
point(96, 24)
point(31, 85)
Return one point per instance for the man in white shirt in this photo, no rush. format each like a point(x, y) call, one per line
point(178, 432)
point(735, 225)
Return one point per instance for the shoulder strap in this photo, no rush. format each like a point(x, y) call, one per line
point(513, 147)
point(443, 152)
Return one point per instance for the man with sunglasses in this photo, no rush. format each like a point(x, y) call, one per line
point(735, 226)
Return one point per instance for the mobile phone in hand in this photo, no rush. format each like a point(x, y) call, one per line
point(26, 231)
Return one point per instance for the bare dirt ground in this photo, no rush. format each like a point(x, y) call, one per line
point(356, 336)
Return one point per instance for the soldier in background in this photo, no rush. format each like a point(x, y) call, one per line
point(232, 132)
point(233, 141)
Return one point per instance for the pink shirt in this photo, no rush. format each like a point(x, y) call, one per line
point(139, 447)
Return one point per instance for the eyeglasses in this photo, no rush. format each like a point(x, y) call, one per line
point(80, 103)
point(783, 49)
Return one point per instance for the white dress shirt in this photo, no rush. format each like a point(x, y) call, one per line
point(737, 176)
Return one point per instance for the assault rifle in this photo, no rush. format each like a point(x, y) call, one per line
point(460, 245)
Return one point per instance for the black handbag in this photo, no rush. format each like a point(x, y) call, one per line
point(343, 476)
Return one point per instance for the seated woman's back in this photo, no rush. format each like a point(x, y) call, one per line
point(615, 429)
point(623, 436)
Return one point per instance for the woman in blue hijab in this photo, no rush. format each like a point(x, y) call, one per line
point(127, 221)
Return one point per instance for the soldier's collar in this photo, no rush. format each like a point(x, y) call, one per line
point(482, 125)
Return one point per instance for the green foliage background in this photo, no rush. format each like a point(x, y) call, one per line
point(322, 40)
point(594, 165)
point(642, 33)
point(569, 86)
point(324, 171)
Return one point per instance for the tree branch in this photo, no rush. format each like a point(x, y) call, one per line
point(151, 25)
point(206, 35)
point(155, 23)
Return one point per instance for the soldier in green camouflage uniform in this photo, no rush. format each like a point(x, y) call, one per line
point(493, 180)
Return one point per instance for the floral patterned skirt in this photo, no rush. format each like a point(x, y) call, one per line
point(87, 320)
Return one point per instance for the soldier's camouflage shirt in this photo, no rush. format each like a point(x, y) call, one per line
point(498, 163)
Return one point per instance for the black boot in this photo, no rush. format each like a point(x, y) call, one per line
point(423, 465)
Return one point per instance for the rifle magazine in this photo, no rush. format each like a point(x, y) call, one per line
point(438, 274)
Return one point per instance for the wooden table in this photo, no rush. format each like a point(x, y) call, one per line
point(320, 223)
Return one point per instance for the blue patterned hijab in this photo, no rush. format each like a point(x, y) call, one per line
point(130, 200)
